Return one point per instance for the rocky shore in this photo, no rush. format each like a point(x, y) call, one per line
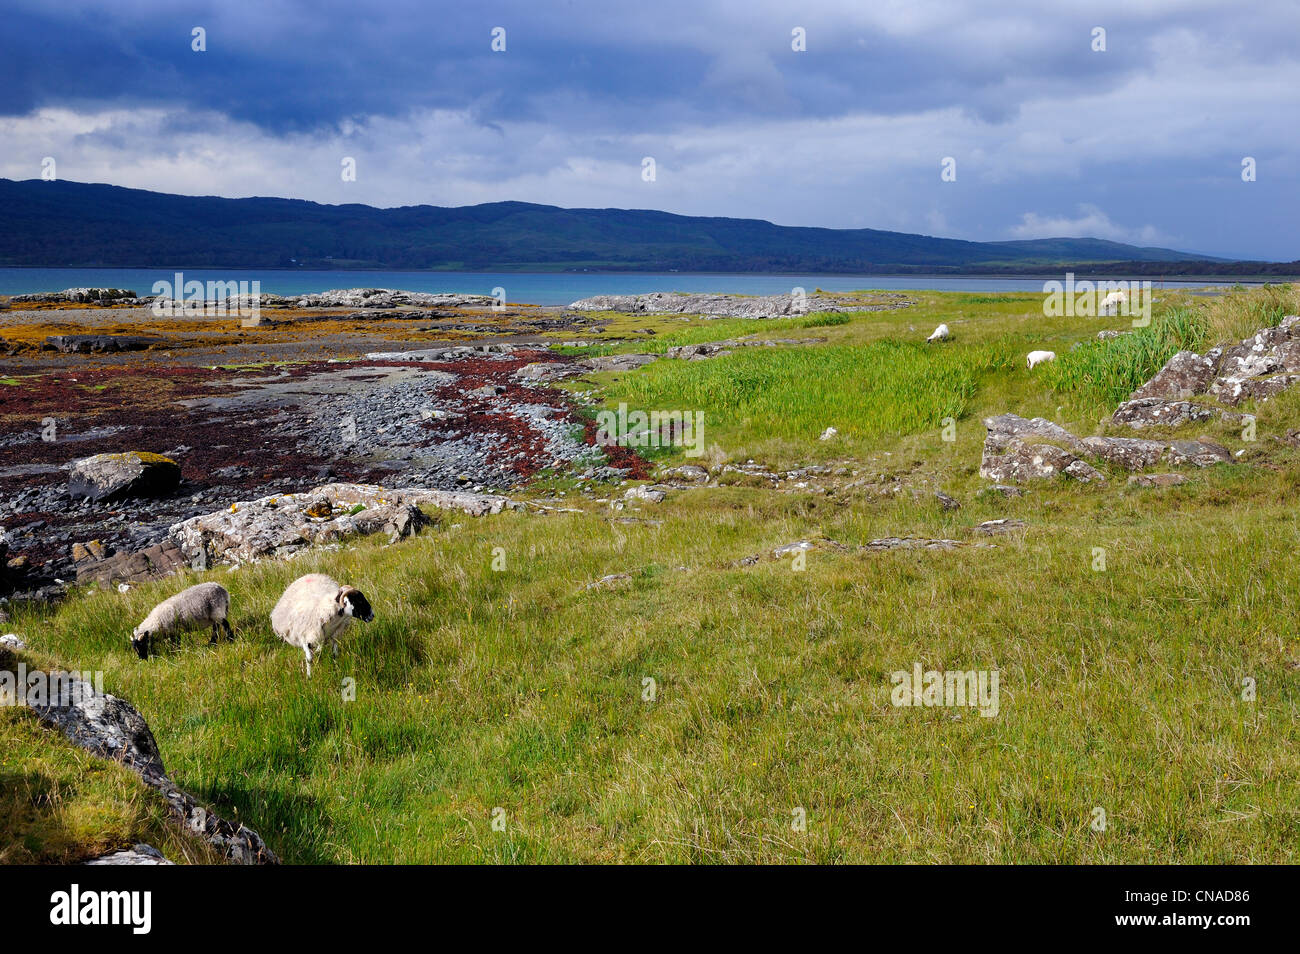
point(98, 467)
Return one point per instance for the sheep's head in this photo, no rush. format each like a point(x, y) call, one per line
point(353, 603)
point(140, 642)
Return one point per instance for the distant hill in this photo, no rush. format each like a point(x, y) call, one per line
point(80, 224)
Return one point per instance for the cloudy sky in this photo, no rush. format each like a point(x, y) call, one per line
point(1141, 143)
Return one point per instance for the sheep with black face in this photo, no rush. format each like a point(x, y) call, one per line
point(204, 604)
point(315, 610)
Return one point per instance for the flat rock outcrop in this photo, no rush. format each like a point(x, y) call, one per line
point(390, 298)
point(720, 306)
point(1018, 450)
point(282, 524)
point(539, 372)
point(91, 296)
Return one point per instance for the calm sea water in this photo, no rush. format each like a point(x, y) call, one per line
point(525, 288)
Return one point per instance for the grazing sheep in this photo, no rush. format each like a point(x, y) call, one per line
point(1110, 304)
point(205, 604)
point(314, 610)
point(1039, 357)
point(940, 334)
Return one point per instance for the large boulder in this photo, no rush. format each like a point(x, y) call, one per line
point(115, 476)
point(1184, 375)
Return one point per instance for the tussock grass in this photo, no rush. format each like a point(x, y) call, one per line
point(884, 388)
point(1096, 375)
point(1242, 311)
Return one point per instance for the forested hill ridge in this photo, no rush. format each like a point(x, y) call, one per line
point(63, 223)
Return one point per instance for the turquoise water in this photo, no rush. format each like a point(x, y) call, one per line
point(524, 288)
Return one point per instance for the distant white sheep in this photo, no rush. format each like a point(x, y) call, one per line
point(204, 604)
point(1110, 304)
point(315, 610)
point(1040, 357)
point(940, 334)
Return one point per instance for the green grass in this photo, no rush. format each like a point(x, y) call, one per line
point(883, 388)
point(61, 805)
point(1098, 374)
point(523, 689)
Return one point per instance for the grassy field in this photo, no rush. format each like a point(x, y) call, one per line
point(695, 709)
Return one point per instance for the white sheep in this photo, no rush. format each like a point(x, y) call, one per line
point(940, 334)
point(1110, 304)
point(1040, 357)
point(204, 604)
point(315, 610)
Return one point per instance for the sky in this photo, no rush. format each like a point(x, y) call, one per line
point(1143, 141)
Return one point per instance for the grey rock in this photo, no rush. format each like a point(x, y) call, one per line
point(647, 494)
point(1131, 453)
point(1157, 480)
point(1198, 453)
point(719, 306)
point(999, 526)
point(618, 362)
point(1083, 472)
point(1005, 428)
point(539, 372)
point(1183, 375)
point(1233, 390)
point(911, 543)
point(1157, 412)
point(140, 854)
point(111, 728)
point(946, 502)
point(98, 344)
point(101, 724)
point(98, 296)
point(390, 298)
point(1023, 462)
point(115, 476)
point(281, 524)
point(692, 473)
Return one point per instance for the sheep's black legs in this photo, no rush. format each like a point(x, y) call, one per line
point(230, 635)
